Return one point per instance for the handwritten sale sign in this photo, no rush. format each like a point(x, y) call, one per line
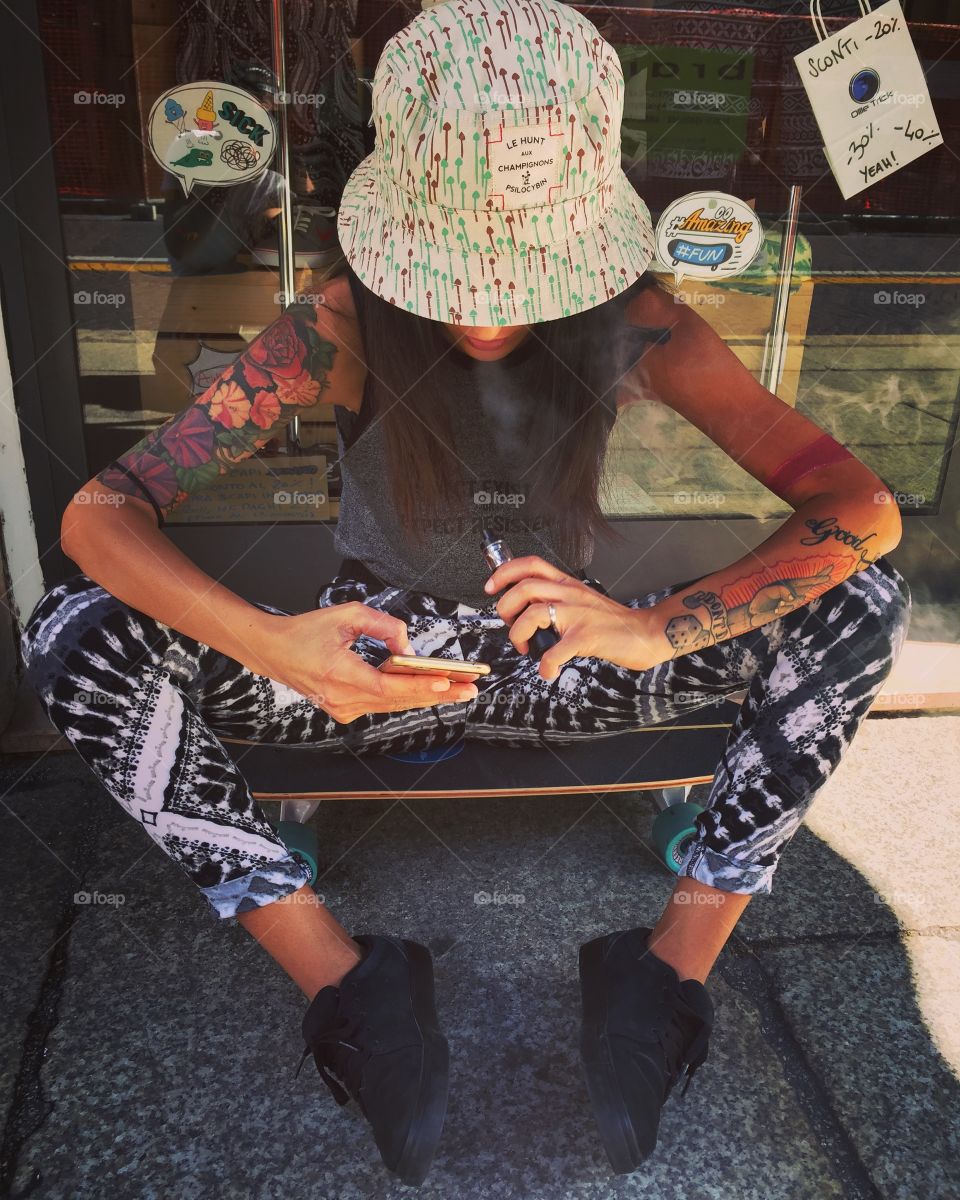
point(870, 98)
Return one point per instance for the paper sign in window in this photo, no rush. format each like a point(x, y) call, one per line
point(867, 90)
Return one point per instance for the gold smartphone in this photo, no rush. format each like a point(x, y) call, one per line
point(450, 668)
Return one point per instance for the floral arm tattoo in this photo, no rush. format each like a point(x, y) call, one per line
point(729, 603)
point(283, 371)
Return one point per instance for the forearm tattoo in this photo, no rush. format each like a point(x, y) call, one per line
point(768, 593)
point(282, 372)
point(826, 529)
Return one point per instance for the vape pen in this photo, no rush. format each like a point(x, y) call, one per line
point(497, 552)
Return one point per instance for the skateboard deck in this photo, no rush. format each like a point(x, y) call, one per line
point(685, 750)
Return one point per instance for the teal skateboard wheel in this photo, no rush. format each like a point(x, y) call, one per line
point(673, 831)
point(301, 841)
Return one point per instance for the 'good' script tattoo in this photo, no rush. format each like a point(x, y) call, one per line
point(823, 530)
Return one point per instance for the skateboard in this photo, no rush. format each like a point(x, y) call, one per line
point(667, 759)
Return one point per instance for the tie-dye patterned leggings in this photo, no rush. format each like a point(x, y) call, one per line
point(146, 707)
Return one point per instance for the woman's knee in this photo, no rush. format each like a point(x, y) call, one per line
point(874, 610)
point(61, 620)
point(889, 597)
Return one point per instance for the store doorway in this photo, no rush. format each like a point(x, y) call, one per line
point(126, 297)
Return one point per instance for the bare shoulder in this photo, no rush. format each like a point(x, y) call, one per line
point(334, 311)
point(655, 305)
point(693, 343)
point(337, 297)
point(694, 359)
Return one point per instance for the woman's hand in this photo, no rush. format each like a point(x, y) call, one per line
point(311, 653)
point(589, 623)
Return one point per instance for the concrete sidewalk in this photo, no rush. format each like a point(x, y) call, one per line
point(149, 1051)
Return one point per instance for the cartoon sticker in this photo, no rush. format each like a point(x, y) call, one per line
point(212, 133)
point(706, 235)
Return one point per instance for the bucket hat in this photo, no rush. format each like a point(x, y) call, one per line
point(494, 194)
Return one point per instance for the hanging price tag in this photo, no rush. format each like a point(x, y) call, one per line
point(870, 98)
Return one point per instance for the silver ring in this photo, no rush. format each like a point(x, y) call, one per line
point(552, 610)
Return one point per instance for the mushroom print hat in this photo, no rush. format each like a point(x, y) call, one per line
point(494, 194)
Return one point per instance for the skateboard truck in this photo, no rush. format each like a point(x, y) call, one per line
point(675, 826)
point(297, 835)
point(674, 829)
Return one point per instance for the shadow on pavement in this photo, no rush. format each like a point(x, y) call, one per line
point(150, 1050)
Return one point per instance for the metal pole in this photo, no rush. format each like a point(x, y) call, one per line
point(775, 345)
point(287, 277)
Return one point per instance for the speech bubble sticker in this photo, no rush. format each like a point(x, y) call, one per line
point(211, 133)
point(706, 235)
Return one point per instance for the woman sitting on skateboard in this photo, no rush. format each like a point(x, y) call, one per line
point(496, 310)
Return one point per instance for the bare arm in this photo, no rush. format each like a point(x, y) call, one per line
point(824, 542)
point(111, 528)
point(845, 517)
point(128, 554)
point(111, 531)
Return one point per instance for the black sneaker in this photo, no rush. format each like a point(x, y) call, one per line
point(314, 237)
point(641, 1027)
point(376, 1038)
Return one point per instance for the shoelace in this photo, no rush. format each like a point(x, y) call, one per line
point(673, 1039)
point(696, 1056)
point(305, 212)
point(348, 1061)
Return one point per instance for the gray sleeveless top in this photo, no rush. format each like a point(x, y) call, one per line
point(491, 407)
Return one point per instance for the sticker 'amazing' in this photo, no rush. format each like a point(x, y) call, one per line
point(707, 235)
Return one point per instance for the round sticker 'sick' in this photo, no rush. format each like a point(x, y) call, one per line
point(708, 234)
point(212, 133)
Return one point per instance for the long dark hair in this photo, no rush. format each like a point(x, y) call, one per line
point(585, 355)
